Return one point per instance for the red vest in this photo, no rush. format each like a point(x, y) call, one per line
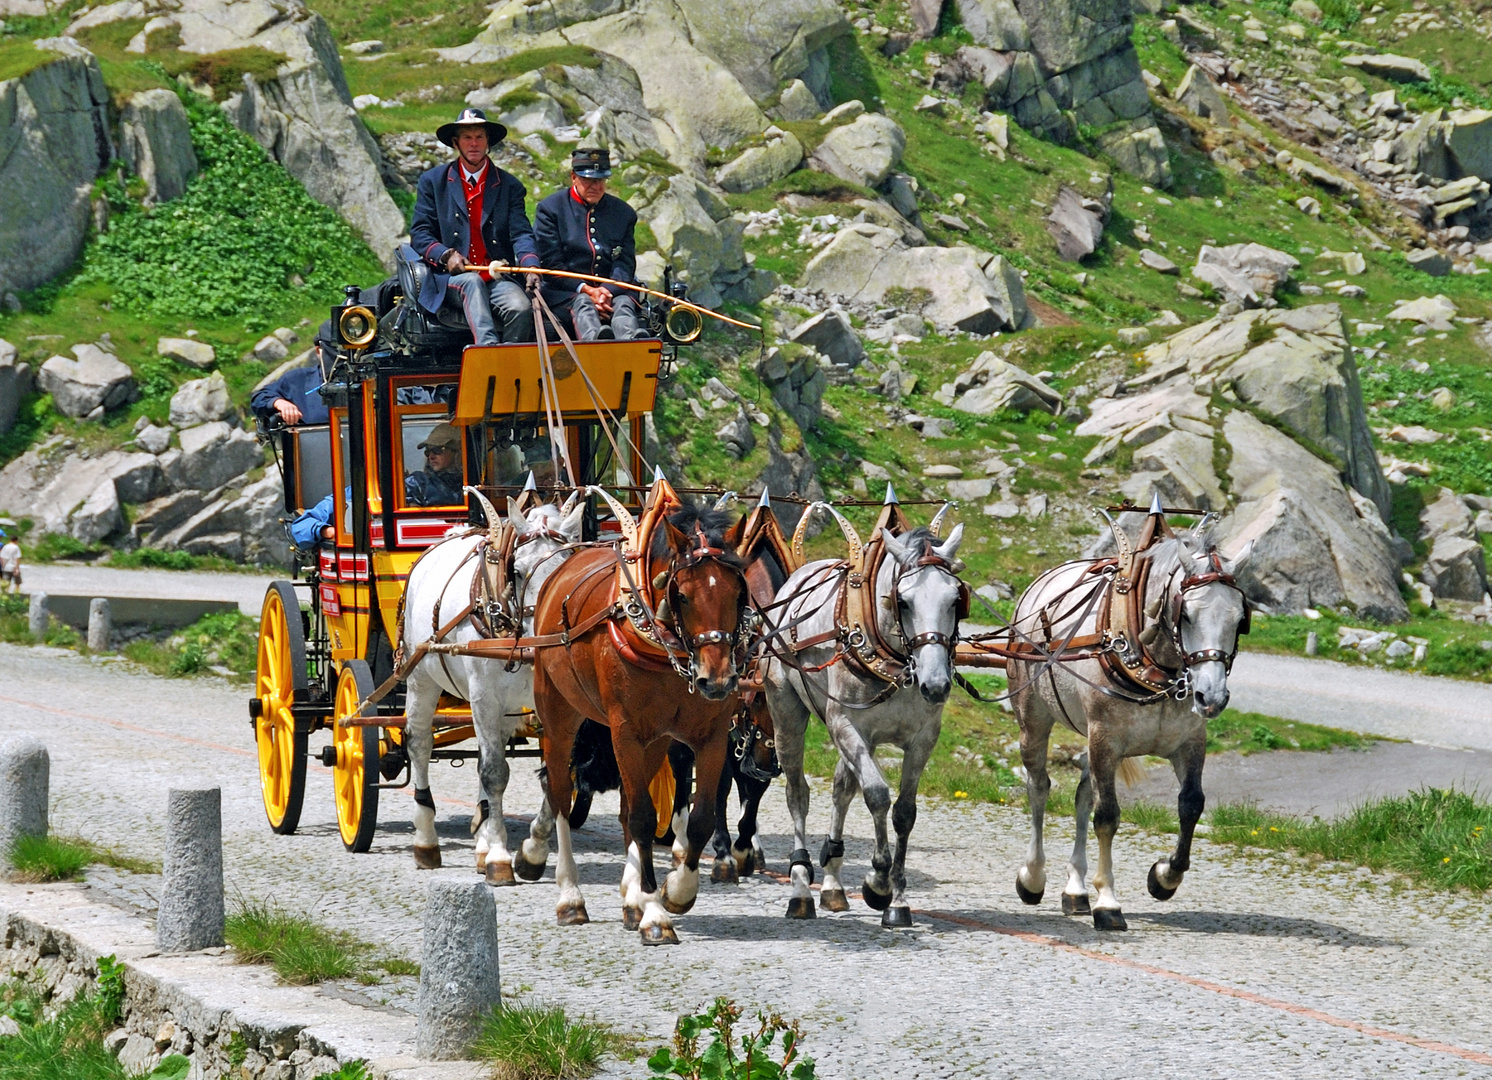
point(477, 253)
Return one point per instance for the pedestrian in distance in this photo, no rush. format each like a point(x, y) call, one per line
point(449, 199)
point(10, 563)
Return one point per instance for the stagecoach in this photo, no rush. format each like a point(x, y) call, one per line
point(328, 637)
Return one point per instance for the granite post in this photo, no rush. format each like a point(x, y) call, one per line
point(459, 981)
point(191, 909)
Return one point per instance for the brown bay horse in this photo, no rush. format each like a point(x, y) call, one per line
point(610, 672)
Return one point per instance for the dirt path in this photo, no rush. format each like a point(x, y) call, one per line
point(1259, 966)
point(247, 590)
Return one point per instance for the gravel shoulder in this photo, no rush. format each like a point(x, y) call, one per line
point(1261, 965)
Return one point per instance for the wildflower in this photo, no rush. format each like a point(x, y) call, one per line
point(1446, 859)
point(1273, 829)
point(1254, 833)
point(960, 794)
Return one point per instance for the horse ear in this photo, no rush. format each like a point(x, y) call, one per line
point(515, 516)
point(735, 534)
point(948, 548)
point(676, 539)
point(571, 524)
point(1236, 564)
point(897, 548)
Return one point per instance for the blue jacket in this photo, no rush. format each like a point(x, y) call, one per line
point(595, 240)
point(306, 528)
point(297, 386)
point(440, 225)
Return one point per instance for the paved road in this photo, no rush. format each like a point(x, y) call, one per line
point(246, 590)
point(1260, 967)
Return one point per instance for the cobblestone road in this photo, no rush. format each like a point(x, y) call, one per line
point(1259, 967)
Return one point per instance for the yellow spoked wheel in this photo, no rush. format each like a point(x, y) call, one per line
point(662, 790)
point(280, 680)
point(356, 753)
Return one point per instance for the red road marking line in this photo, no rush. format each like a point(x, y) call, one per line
point(124, 725)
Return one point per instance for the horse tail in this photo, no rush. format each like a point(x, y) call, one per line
point(1130, 772)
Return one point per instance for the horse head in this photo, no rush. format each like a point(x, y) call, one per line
point(920, 600)
point(706, 596)
point(1211, 614)
point(541, 534)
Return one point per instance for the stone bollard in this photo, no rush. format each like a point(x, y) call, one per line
point(40, 615)
point(25, 775)
point(191, 910)
point(1313, 643)
point(100, 625)
point(459, 981)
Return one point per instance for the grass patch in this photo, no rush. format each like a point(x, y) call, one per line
point(1249, 733)
point(225, 642)
point(301, 951)
point(529, 1041)
point(67, 1047)
point(1441, 838)
point(1453, 647)
point(62, 858)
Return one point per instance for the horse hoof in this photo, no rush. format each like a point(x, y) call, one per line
point(1026, 895)
point(725, 872)
point(1157, 890)
point(572, 914)
point(1109, 919)
point(500, 873)
point(659, 935)
point(897, 918)
point(631, 918)
point(834, 900)
point(800, 907)
point(481, 862)
point(426, 858)
point(674, 908)
point(526, 870)
point(1075, 904)
point(746, 863)
point(876, 901)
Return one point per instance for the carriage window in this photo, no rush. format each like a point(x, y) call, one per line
point(342, 492)
point(313, 465)
point(433, 471)
point(511, 450)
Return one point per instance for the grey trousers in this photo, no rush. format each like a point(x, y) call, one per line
point(624, 320)
point(498, 311)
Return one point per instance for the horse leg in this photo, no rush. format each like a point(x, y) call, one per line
point(1075, 895)
point(1165, 875)
point(831, 858)
point(747, 850)
point(533, 854)
point(859, 756)
point(419, 740)
point(1104, 762)
point(791, 717)
point(681, 887)
point(681, 762)
point(903, 817)
point(560, 724)
point(1030, 880)
point(488, 709)
point(725, 871)
point(638, 764)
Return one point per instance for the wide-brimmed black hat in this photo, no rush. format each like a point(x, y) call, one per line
point(469, 117)
point(591, 163)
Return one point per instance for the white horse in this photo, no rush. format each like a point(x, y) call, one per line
point(916, 604)
point(1193, 616)
point(440, 586)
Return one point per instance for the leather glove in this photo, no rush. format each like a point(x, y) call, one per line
point(455, 261)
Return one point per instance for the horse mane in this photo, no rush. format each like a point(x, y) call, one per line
point(714, 523)
point(1167, 554)
point(919, 540)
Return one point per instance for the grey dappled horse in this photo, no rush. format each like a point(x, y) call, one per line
point(1194, 615)
point(924, 613)
point(441, 583)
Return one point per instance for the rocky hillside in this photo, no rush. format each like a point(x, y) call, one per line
point(1032, 255)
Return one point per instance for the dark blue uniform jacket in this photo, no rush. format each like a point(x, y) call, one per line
point(298, 386)
point(585, 240)
point(440, 224)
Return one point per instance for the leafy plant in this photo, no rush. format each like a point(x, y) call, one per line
point(110, 985)
point(757, 1059)
point(528, 1041)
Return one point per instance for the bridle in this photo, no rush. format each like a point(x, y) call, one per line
point(747, 618)
point(1215, 574)
point(931, 637)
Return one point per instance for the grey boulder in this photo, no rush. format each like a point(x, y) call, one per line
point(201, 401)
point(188, 351)
point(1199, 96)
point(96, 379)
point(1389, 66)
point(761, 165)
point(991, 384)
point(1245, 273)
point(1076, 223)
point(214, 453)
point(156, 142)
point(1456, 568)
point(16, 383)
point(100, 515)
point(864, 151)
point(830, 333)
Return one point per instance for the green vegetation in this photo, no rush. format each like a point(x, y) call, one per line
point(1453, 648)
point(302, 951)
point(69, 1046)
point(750, 1056)
point(227, 640)
point(1438, 838)
point(528, 1041)
point(40, 859)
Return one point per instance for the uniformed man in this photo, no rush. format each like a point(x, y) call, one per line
point(439, 482)
point(448, 199)
point(584, 230)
